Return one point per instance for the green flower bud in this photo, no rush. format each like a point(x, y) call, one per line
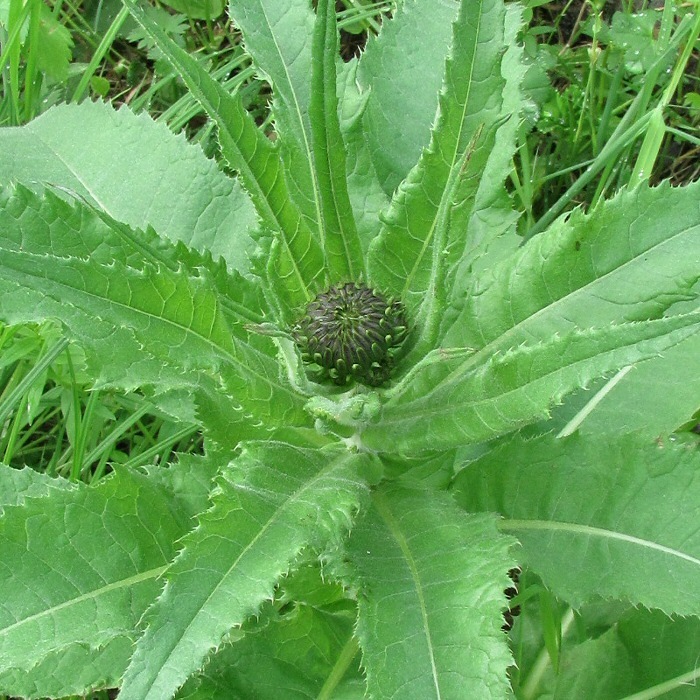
point(352, 332)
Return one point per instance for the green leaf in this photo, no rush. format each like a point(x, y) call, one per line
point(424, 230)
point(340, 239)
point(629, 259)
point(367, 198)
point(287, 655)
point(431, 584)
point(656, 397)
point(278, 35)
point(53, 47)
point(647, 652)
point(137, 171)
point(492, 215)
point(20, 484)
point(634, 535)
point(269, 504)
point(459, 398)
point(403, 85)
point(297, 265)
point(78, 570)
point(145, 325)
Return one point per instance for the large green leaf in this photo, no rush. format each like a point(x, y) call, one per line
point(424, 230)
point(462, 397)
point(137, 171)
point(634, 535)
point(78, 570)
point(431, 582)
point(630, 259)
point(403, 85)
point(270, 503)
point(297, 264)
point(147, 323)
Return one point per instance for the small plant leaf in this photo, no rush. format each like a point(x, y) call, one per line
point(269, 504)
point(634, 536)
point(431, 588)
point(198, 9)
point(458, 398)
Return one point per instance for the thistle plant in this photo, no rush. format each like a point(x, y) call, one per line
point(402, 398)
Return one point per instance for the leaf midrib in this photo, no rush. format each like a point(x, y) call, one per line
point(594, 531)
point(441, 211)
point(385, 512)
point(299, 116)
point(91, 595)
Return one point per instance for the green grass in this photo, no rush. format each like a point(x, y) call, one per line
point(621, 107)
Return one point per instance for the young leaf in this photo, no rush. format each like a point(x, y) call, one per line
point(269, 504)
point(423, 234)
point(431, 587)
point(78, 570)
point(297, 266)
point(137, 171)
point(634, 536)
point(459, 398)
point(340, 239)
